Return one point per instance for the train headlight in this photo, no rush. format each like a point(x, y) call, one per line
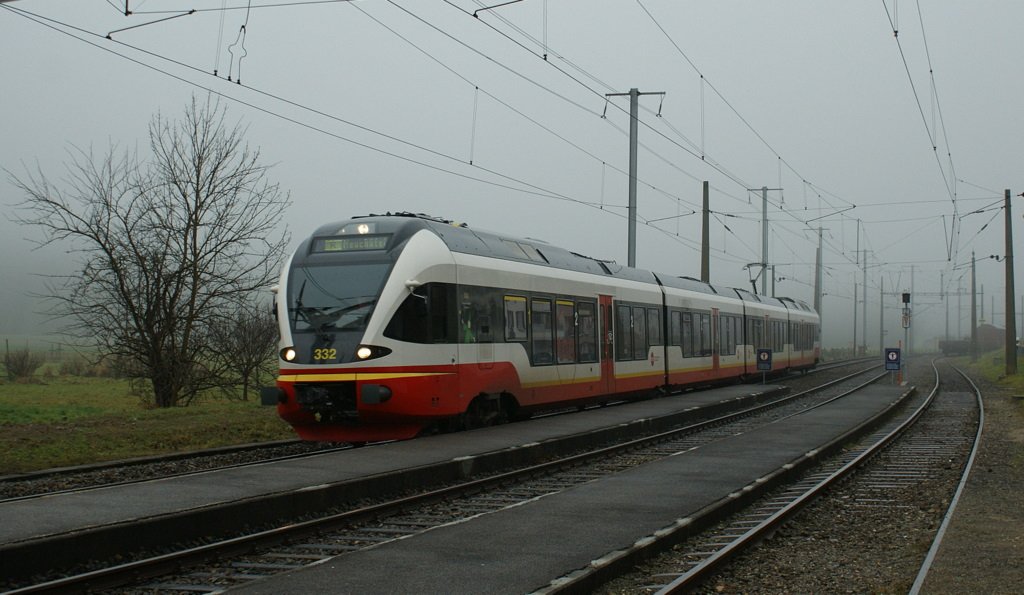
point(365, 352)
point(288, 354)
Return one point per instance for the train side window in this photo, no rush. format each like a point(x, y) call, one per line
point(725, 332)
point(543, 332)
point(705, 334)
point(565, 332)
point(675, 328)
point(654, 327)
point(586, 331)
point(639, 332)
point(623, 333)
point(515, 318)
point(687, 334)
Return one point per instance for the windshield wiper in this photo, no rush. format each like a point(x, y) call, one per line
point(319, 317)
point(298, 302)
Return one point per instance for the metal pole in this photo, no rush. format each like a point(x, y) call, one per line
point(764, 239)
point(634, 96)
point(633, 109)
point(705, 244)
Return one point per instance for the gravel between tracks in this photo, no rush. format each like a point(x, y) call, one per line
point(834, 548)
point(137, 472)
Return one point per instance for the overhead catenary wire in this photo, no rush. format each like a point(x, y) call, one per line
point(66, 29)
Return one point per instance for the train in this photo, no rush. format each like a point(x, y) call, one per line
point(396, 325)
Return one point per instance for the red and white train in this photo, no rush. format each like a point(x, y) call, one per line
point(393, 325)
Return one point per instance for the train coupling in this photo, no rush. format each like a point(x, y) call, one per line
point(375, 394)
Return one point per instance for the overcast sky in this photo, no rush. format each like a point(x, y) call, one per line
point(381, 105)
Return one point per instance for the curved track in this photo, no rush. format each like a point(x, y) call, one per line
point(917, 445)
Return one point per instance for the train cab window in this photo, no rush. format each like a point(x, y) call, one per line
point(675, 328)
point(623, 333)
point(687, 334)
point(515, 318)
point(639, 332)
point(653, 327)
point(427, 315)
point(565, 332)
point(586, 331)
point(543, 332)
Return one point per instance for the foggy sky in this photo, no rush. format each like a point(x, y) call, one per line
point(376, 106)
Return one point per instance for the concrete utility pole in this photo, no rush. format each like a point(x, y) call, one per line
point(942, 296)
point(974, 311)
point(881, 316)
point(910, 331)
point(634, 107)
point(1010, 344)
point(864, 306)
point(855, 315)
point(818, 291)
point(857, 256)
point(817, 276)
point(705, 243)
point(959, 307)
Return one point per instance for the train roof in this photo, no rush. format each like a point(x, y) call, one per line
point(459, 237)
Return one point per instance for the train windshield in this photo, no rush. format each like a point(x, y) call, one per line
point(333, 298)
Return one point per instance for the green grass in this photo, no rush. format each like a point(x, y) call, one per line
point(62, 421)
point(992, 367)
point(56, 421)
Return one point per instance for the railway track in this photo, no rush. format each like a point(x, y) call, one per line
point(933, 441)
point(254, 556)
point(110, 473)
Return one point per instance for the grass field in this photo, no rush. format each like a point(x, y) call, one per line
point(62, 420)
point(56, 421)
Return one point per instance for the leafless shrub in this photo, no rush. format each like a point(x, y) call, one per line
point(21, 364)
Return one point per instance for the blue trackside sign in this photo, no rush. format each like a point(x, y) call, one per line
point(892, 358)
point(764, 359)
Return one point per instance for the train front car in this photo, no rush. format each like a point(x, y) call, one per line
point(344, 291)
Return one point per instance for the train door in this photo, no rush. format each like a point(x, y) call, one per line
point(607, 353)
point(716, 344)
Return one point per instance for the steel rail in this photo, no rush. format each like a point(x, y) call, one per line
point(941, 533)
point(706, 568)
point(158, 565)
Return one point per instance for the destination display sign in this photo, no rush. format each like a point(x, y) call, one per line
point(355, 243)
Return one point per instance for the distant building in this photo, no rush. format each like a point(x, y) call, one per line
point(990, 337)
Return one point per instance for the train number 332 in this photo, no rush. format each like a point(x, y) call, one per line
point(325, 354)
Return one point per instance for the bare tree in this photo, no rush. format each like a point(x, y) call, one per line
point(166, 247)
point(249, 341)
